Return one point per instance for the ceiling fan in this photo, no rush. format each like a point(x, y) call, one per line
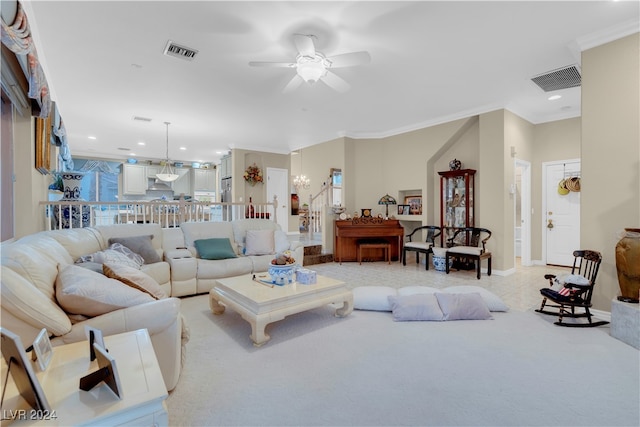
point(311, 65)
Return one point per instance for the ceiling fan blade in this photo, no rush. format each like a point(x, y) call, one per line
point(350, 59)
point(336, 83)
point(272, 64)
point(293, 84)
point(304, 44)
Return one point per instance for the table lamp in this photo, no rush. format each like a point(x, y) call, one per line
point(387, 200)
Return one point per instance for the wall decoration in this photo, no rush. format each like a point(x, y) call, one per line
point(253, 175)
point(43, 147)
point(415, 204)
point(295, 204)
point(403, 209)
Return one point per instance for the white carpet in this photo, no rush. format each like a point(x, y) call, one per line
point(366, 370)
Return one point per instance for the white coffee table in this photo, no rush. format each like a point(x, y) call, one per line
point(260, 304)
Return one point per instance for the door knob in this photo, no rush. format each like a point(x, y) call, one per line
point(550, 224)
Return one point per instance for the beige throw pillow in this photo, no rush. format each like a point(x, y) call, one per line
point(135, 278)
point(259, 242)
point(82, 291)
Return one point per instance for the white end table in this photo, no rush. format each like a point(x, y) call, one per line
point(143, 387)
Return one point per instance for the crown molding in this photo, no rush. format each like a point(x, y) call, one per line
point(608, 35)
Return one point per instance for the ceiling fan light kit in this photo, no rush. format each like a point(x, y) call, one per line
point(312, 65)
point(311, 69)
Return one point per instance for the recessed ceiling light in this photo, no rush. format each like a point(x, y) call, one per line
point(92, 137)
point(183, 148)
point(132, 154)
point(554, 97)
point(141, 143)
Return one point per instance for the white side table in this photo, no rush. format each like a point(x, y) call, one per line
point(143, 392)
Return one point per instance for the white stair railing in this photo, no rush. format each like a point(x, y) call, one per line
point(166, 213)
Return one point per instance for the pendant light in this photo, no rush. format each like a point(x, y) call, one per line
point(167, 174)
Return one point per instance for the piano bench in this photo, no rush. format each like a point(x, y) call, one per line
point(368, 244)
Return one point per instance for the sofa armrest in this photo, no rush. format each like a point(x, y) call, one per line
point(177, 254)
point(154, 316)
point(161, 318)
point(184, 268)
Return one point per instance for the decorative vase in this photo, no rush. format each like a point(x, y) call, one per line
point(628, 265)
point(282, 274)
point(455, 165)
point(72, 215)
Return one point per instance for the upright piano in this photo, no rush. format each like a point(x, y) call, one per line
point(347, 234)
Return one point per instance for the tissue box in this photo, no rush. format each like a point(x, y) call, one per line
point(305, 277)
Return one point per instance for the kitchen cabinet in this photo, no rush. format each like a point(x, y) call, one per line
point(152, 171)
point(225, 167)
point(134, 179)
point(183, 183)
point(204, 179)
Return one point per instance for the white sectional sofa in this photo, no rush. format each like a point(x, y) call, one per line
point(190, 274)
point(33, 268)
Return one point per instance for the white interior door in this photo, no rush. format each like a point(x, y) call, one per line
point(561, 214)
point(278, 185)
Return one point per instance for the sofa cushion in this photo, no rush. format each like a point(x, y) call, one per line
point(281, 242)
point(37, 266)
point(113, 256)
point(76, 241)
point(241, 226)
point(24, 301)
point(469, 306)
point(107, 232)
point(493, 301)
point(415, 307)
point(211, 270)
point(214, 248)
point(373, 297)
point(205, 230)
point(417, 289)
point(135, 278)
point(259, 242)
point(139, 244)
point(82, 291)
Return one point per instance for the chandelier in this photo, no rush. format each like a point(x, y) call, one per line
point(301, 181)
point(167, 174)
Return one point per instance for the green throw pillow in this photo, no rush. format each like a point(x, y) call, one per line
point(215, 248)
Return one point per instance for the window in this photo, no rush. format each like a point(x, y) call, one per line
point(100, 182)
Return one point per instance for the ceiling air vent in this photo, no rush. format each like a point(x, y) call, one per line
point(182, 52)
point(141, 119)
point(562, 78)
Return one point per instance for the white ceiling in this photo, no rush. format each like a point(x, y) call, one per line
point(431, 62)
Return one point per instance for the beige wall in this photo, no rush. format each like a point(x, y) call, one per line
point(610, 187)
point(30, 186)
point(552, 141)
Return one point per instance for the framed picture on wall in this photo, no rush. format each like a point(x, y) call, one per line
point(43, 145)
point(415, 204)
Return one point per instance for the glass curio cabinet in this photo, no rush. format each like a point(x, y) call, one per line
point(456, 202)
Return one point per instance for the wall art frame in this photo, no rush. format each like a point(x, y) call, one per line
point(415, 204)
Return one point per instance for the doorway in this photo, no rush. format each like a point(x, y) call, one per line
point(278, 186)
point(522, 202)
point(561, 213)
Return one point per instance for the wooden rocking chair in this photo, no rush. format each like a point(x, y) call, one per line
point(575, 292)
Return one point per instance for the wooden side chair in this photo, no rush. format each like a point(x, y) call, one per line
point(413, 245)
point(470, 247)
point(573, 291)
